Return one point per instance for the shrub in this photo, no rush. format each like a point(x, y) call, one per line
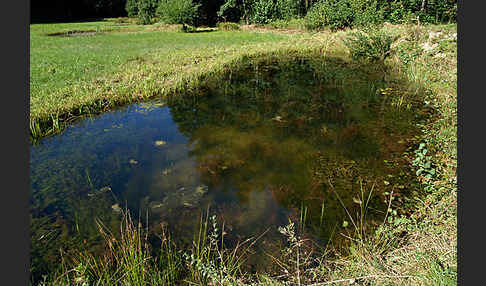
point(263, 12)
point(292, 23)
point(367, 12)
point(396, 12)
point(229, 11)
point(336, 14)
point(228, 26)
point(369, 46)
point(286, 9)
point(280, 24)
point(132, 8)
point(146, 11)
point(438, 11)
point(177, 12)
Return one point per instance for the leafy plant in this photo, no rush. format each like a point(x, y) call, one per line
point(286, 9)
point(177, 12)
point(400, 11)
point(209, 262)
point(293, 23)
point(330, 13)
point(423, 163)
point(297, 256)
point(146, 11)
point(372, 46)
point(263, 12)
point(408, 52)
point(132, 8)
point(367, 12)
point(228, 26)
point(234, 10)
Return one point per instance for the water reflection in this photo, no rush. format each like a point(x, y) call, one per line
point(257, 150)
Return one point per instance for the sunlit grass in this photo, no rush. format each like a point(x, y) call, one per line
point(419, 250)
point(72, 76)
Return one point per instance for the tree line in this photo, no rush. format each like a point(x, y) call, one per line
point(318, 13)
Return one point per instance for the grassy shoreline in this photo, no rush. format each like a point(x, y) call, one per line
point(416, 249)
point(152, 62)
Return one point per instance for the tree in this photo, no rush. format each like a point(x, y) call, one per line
point(132, 8)
point(177, 12)
point(263, 11)
point(146, 11)
point(287, 9)
point(242, 8)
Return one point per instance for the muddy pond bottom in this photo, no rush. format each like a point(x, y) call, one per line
point(255, 155)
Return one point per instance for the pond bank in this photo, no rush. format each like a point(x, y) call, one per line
point(390, 254)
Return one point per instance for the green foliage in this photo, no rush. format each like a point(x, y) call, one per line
point(371, 46)
point(428, 11)
point(146, 11)
point(286, 9)
point(235, 10)
point(293, 23)
point(367, 12)
point(132, 8)
point(335, 14)
point(177, 12)
point(339, 14)
point(128, 261)
point(260, 11)
point(228, 9)
point(228, 26)
point(440, 274)
point(423, 163)
point(263, 12)
point(209, 261)
point(408, 52)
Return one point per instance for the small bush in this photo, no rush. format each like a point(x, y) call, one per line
point(399, 11)
point(228, 26)
point(369, 46)
point(367, 12)
point(146, 11)
point(279, 24)
point(292, 24)
point(286, 9)
point(132, 8)
point(177, 12)
point(336, 14)
point(263, 12)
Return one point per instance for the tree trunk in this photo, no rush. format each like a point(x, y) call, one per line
point(423, 8)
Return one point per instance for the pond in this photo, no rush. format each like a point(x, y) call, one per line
point(268, 144)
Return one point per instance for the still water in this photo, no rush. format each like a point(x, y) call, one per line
point(256, 151)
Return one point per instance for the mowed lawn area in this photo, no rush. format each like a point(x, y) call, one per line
point(74, 65)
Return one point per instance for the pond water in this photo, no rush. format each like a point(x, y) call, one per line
point(255, 150)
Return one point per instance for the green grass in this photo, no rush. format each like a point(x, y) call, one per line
point(419, 248)
point(415, 248)
point(72, 76)
point(57, 62)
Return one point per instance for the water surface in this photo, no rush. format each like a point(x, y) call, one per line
point(255, 150)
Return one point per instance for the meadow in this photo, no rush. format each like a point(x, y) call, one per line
point(83, 69)
point(115, 63)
